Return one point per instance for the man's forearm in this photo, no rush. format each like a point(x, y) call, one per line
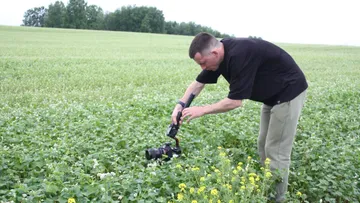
point(194, 88)
point(222, 106)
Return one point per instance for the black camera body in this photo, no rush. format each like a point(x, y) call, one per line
point(161, 151)
point(171, 132)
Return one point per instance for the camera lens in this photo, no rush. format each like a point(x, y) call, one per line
point(147, 154)
point(158, 153)
point(154, 153)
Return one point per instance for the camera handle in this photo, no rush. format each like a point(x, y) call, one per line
point(173, 128)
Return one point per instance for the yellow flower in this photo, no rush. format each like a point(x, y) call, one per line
point(249, 158)
point(194, 201)
point(222, 154)
point(180, 196)
point(217, 170)
point(178, 166)
point(202, 179)
point(240, 164)
point(257, 178)
point(252, 180)
point(231, 201)
point(268, 174)
point(242, 188)
point(228, 186)
point(235, 172)
point(262, 168)
point(71, 200)
point(201, 189)
point(267, 161)
point(298, 194)
point(214, 192)
point(192, 190)
point(219, 147)
point(218, 201)
point(252, 174)
point(195, 169)
point(238, 168)
point(182, 187)
point(208, 175)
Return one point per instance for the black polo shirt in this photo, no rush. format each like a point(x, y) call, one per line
point(257, 70)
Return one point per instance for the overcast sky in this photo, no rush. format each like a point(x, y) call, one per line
point(301, 21)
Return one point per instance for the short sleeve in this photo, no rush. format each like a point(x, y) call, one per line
point(208, 77)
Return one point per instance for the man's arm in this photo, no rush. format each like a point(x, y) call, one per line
point(219, 107)
point(194, 88)
point(222, 106)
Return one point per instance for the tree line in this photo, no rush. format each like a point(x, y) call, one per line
point(78, 15)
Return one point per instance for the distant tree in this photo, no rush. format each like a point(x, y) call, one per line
point(35, 17)
point(145, 24)
point(130, 18)
point(110, 21)
point(153, 21)
point(124, 19)
point(170, 27)
point(76, 14)
point(95, 17)
point(183, 29)
point(138, 19)
point(55, 17)
point(254, 37)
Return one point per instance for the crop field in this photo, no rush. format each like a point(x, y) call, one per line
point(79, 108)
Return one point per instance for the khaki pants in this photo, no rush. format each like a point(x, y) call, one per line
point(277, 132)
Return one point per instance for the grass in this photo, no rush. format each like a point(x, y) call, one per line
point(73, 98)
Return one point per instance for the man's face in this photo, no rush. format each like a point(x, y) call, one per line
point(208, 61)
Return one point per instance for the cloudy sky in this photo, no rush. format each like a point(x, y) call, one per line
point(289, 21)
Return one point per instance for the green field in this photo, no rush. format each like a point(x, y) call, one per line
point(77, 104)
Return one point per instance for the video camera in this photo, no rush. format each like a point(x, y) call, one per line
point(166, 149)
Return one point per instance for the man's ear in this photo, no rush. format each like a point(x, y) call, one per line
point(215, 52)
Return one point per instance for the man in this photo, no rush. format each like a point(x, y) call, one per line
point(260, 71)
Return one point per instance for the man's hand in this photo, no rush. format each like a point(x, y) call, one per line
point(192, 112)
point(174, 114)
point(219, 107)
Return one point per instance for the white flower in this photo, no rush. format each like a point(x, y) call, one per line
point(101, 175)
point(153, 164)
point(104, 175)
point(95, 163)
